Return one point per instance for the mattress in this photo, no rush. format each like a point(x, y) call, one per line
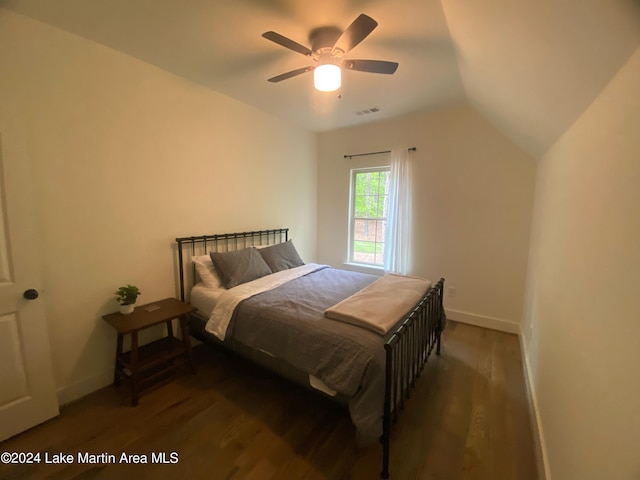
point(205, 299)
point(264, 359)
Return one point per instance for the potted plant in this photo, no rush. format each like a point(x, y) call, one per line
point(127, 297)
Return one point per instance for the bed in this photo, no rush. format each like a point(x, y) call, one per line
point(257, 298)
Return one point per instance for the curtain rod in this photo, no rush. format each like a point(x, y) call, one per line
point(412, 149)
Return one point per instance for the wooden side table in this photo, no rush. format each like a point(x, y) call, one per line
point(154, 359)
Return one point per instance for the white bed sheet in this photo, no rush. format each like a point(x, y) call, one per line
point(205, 298)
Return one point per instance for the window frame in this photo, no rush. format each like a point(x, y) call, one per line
point(352, 218)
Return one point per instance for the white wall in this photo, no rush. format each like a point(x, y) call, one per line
point(127, 157)
point(582, 315)
point(473, 198)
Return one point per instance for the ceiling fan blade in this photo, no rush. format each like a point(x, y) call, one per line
point(371, 66)
point(287, 43)
point(292, 73)
point(355, 33)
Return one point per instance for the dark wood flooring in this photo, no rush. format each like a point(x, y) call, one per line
point(467, 419)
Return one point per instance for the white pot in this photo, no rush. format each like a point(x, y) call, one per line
point(127, 309)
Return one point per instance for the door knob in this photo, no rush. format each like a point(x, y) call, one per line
point(30, 294)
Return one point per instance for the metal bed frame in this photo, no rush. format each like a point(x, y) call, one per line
point(406, 351)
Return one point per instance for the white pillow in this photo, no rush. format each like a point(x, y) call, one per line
point(206, 271)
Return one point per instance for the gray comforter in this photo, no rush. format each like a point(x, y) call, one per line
point(288, 322)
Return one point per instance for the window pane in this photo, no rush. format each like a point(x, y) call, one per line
point(369, 206)
point(382, 194)
point(379, 260)
point(360, 182)
point(371, 183)
point(366, 206)
point(365, 182)
point(365, 230)
point(380, 201)
point(381, 228)
point(367, 252)
point(368, 246)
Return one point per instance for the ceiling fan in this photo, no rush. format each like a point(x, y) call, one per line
point(328, 47)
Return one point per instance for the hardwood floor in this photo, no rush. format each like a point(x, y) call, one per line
point(467, 419)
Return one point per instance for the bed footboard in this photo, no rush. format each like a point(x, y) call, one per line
point(407, 351)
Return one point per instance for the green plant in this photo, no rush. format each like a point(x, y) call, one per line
point(127, 295)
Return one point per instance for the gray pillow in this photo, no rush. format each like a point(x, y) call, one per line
point(239, 266)
point(281, 256)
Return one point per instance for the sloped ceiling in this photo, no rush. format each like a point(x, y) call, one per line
point(531, 67)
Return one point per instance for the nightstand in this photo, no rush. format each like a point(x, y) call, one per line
point(155, 360)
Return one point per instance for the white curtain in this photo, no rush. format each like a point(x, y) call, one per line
point(397, 235)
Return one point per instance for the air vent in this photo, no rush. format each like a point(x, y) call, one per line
point(368, 111)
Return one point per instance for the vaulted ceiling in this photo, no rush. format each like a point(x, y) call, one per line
point(531, 67)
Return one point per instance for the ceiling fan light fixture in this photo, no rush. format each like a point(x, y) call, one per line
point(327, 77)
point(329, 45)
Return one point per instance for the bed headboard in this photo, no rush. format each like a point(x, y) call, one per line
point(189, 247)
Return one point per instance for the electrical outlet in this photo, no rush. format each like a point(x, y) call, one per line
point(452, 292)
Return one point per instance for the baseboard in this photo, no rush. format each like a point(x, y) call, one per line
point(483, 321)
point(538, 435)
point(84, 387)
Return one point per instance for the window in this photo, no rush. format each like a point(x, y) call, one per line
point(368, 215)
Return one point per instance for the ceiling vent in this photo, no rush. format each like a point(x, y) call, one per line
point(368, 111)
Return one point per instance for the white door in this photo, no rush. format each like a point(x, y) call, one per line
point(27, 391)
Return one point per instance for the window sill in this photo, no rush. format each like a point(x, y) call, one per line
point(364, 268)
